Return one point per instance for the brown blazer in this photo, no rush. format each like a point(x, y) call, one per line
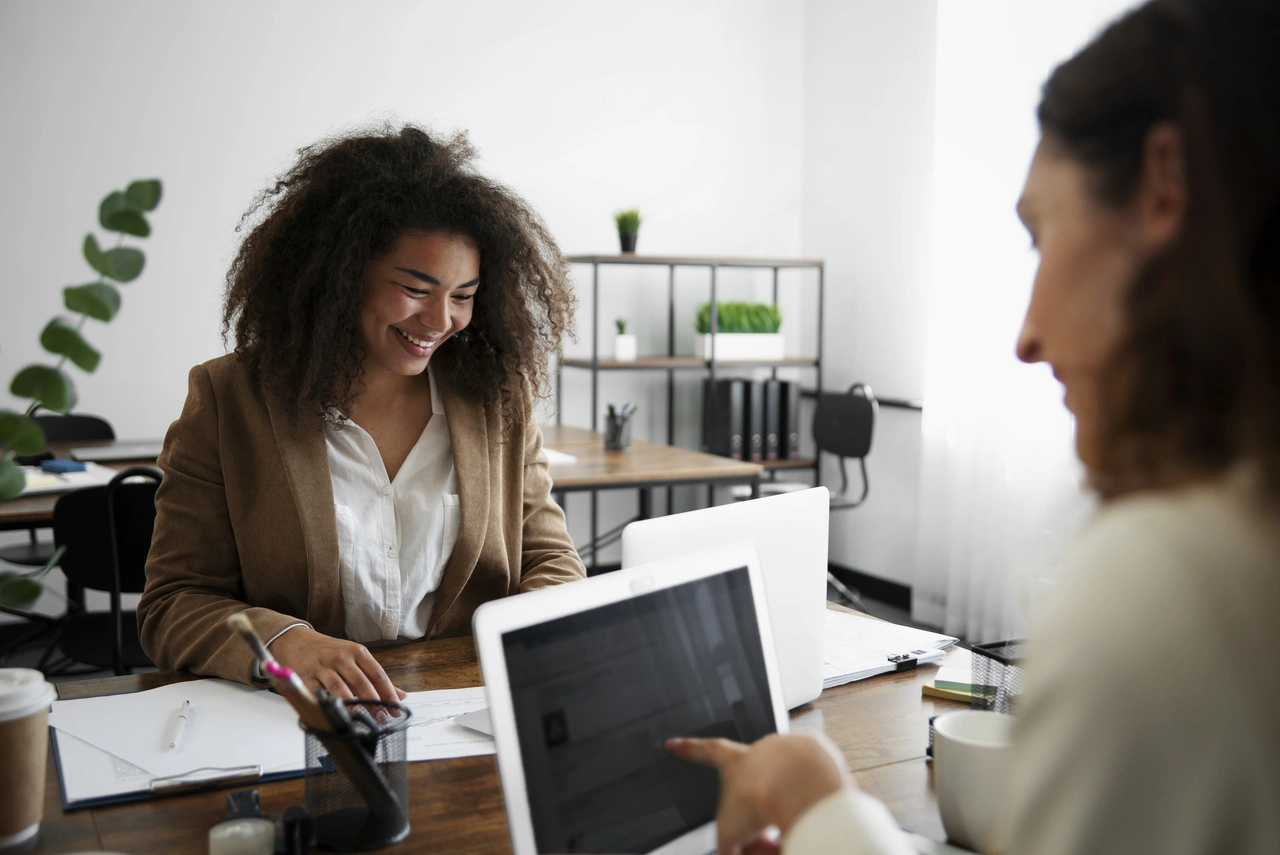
point(245, 515)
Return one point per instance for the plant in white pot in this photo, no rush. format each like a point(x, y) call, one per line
point(624, 343)
point(743, 331)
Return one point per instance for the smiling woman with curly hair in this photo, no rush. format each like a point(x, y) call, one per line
point(365, 467)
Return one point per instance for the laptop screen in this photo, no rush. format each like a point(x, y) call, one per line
point(596, 694)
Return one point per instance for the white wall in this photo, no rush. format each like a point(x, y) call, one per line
point(690, 110)
point(869, 84)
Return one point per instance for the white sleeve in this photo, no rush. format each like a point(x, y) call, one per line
point(848, 821)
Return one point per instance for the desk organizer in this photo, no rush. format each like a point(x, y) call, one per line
point(997, 675)
point(358, 781)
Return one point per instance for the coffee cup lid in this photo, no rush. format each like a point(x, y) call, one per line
point(22, 692)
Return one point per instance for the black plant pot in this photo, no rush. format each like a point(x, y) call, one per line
point(628, 242)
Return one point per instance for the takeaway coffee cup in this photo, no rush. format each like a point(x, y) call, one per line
point(24, 746)
point(971, 765)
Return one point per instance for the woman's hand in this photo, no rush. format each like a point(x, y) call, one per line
point(344, 669)
point(769, 783)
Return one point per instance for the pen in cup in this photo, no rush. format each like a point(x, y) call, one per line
point(179, 726)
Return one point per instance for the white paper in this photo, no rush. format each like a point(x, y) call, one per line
point(434, 732)
point(91, 773)
point(40, 481)
point(229, 725)
point(857, 647)
point(558, 458)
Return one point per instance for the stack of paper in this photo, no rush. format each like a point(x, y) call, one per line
point(111, 748)
point(856, 647)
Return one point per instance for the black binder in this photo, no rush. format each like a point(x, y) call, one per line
point(722, 418)
point(772, 419)
point(753, 420)
point(790, 418)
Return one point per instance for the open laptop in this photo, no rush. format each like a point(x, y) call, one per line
point(790, 532)
point(586, 681)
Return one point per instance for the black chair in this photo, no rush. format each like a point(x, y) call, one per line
point(107, 532)
point(843, 425)
point(69, 428)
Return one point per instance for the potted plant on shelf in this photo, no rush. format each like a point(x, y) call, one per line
point(46, 385)
point(743, 331)
point(628, 227)
point(624, 343)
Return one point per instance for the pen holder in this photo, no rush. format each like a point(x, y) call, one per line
point(617, 432)
point(358, 781)
point(997, 675)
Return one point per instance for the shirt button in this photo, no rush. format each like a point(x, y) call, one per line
point(392, 552)
point(386, 491)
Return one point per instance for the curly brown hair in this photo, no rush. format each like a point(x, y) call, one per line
point(1195, 383)
point(297, 283)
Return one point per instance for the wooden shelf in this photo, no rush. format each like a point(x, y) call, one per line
point(676, 363)
point(695, 261)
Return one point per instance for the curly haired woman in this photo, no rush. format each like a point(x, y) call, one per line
point(365, 467)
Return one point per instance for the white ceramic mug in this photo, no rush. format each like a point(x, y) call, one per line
point(972, 751)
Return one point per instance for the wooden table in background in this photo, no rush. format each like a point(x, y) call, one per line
point(881, 724)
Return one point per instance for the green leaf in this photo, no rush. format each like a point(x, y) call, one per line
point(123, 264)
point(62, 339)
point(21, 433)
point(45, 384)
point(11, 478)
point(144, 194)
point(118, 214)
point(18, 592)
point(97, 300)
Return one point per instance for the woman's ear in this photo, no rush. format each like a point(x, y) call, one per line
point(1162, 193)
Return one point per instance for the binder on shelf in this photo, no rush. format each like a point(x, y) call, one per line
point(772, 412)
point(753, 420)
point(789, 418)
point(722, 418)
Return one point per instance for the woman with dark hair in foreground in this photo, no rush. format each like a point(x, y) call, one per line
point(366, 467)
point(1149, 719)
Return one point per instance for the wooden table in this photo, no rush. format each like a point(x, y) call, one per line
point(456, 805)
point(27, 512)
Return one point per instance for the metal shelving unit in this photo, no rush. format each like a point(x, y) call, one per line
point(671, 363)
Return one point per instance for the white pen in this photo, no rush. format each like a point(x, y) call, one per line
point(179, 725)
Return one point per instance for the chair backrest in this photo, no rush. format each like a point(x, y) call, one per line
point(81, 523)
point(74, 427)
point(844, 422)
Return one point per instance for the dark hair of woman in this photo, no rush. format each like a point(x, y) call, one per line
point(295, 288)
point(1195, 383)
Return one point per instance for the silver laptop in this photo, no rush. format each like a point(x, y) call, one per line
point(586, 681)
point(790, 531)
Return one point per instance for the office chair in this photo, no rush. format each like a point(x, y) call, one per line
point(69, 428)
point(107, 532)
point(843, 425)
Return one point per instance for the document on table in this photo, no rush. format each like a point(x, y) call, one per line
point(111, 748)
point(856, 647)
point(558, 458)
point(434, 732)
point(40, 482)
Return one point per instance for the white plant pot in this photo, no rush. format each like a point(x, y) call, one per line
point(624, 347)
point(736, 346)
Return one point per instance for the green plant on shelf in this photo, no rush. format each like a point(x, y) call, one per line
point(621, 325)
point(122, 212)
point(739, 318)
point(628, 222)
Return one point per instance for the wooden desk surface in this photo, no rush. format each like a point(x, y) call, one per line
point(456, 805)
point(644, 463)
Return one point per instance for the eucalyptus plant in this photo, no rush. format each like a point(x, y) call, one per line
point(124, 214)
point(739, 318)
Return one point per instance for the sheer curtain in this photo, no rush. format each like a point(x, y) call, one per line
point(1001, 489)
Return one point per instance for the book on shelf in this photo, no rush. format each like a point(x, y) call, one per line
point(772, 411)
point(753, 420)
point(789, 421)
point(722, 428)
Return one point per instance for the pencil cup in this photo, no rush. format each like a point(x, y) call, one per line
point(24, 745)
point(358, 782)
point(617, 432)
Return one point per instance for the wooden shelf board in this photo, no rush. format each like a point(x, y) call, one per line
point(695, 261)
point(793, 463)
point(667, 363)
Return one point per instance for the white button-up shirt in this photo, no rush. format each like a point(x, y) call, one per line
point(394, 536)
